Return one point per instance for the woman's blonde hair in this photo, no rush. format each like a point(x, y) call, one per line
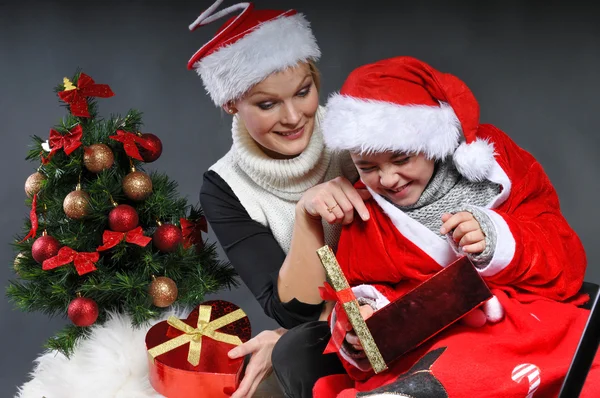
point(314, 71)
point(316, 75)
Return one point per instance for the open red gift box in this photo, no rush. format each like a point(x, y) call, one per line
point(188, 357)
point(410, 320)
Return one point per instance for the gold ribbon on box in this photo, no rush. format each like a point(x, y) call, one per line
point(340, 283)
point(194, 335)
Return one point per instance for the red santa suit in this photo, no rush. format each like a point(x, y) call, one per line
point(535, 273)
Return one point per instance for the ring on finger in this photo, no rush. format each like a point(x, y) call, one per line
point(330, 209)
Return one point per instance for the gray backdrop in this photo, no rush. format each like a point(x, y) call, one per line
point(533, 68)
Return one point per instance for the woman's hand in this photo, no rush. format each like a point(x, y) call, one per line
point(334, 201)
point(260, 366)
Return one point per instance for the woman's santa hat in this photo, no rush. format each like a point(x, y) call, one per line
point(249, 47)
point(403, 104)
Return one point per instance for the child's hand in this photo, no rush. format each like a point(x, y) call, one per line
point(466, 231)
point(366, 311)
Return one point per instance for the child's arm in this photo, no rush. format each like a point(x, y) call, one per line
point(370, 298)
point(536, 250)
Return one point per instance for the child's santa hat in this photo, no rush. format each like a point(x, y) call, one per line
point(403, 104)
point(249, 47)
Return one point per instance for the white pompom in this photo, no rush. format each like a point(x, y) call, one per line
point(493, 310)
point(474, 160)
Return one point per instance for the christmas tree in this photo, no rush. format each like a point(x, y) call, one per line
point(102, 235)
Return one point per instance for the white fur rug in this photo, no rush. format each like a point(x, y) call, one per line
point(112, 363)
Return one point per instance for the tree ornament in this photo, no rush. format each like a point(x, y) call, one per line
point(152, 149)
point(137, 185)
point(98, 157)
point(163, 291)
point(33, 184)
point(68, 142)
point(167, 237)
point(83, 311)
point(192, 232)
point(17, 263)
point(123, 218)
point(75, 96)
point(77, 204)
point(45, 247)
point(130, 143)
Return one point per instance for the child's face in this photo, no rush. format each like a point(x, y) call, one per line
point(400, 177)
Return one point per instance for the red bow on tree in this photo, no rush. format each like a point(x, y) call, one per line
point(192, 232)
point(111, 238)
point(68, 142)
point(34, 219)
point(129, 141)
point(76, 96)
point(84, 262)
point(342, 323)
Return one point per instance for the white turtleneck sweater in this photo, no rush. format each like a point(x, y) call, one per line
point(270, 188)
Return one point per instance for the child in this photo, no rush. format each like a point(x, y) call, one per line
point(445, 186)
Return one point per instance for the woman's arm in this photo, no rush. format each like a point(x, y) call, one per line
point(252, 250)
point(302, 273)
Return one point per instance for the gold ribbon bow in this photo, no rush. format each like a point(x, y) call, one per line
point(194, 335)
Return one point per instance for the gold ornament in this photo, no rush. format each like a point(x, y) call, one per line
point(33, 184)
point(163, 291)
point(17, 263)
point(137, 185)
point(68, 85)
point(77, 204)
point(98, 157)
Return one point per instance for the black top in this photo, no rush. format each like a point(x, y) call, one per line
point(252, 250)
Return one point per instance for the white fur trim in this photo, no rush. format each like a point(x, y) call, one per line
point(378, 126)
point(111, 363)
point(438, 248)
point(370, 292)
point(499, 176)
point(505, 246)
point(273, 46)
point(474, 160)
point(381, 301)
point(493, 310)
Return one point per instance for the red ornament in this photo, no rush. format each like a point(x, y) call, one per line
point(152, 149)
point(45, 247)
point(84, 262)
point(83, 311)
point(33, 218)
point(136, 236)
point(192, 232)
point(76, 96)
point(68, 142)
point(123, 218)
point(129, 141)
point(167, 237)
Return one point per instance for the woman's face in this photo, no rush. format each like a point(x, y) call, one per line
point(400, 177)
point(279, 112)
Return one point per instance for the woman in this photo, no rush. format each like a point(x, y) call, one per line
point(278, 194)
